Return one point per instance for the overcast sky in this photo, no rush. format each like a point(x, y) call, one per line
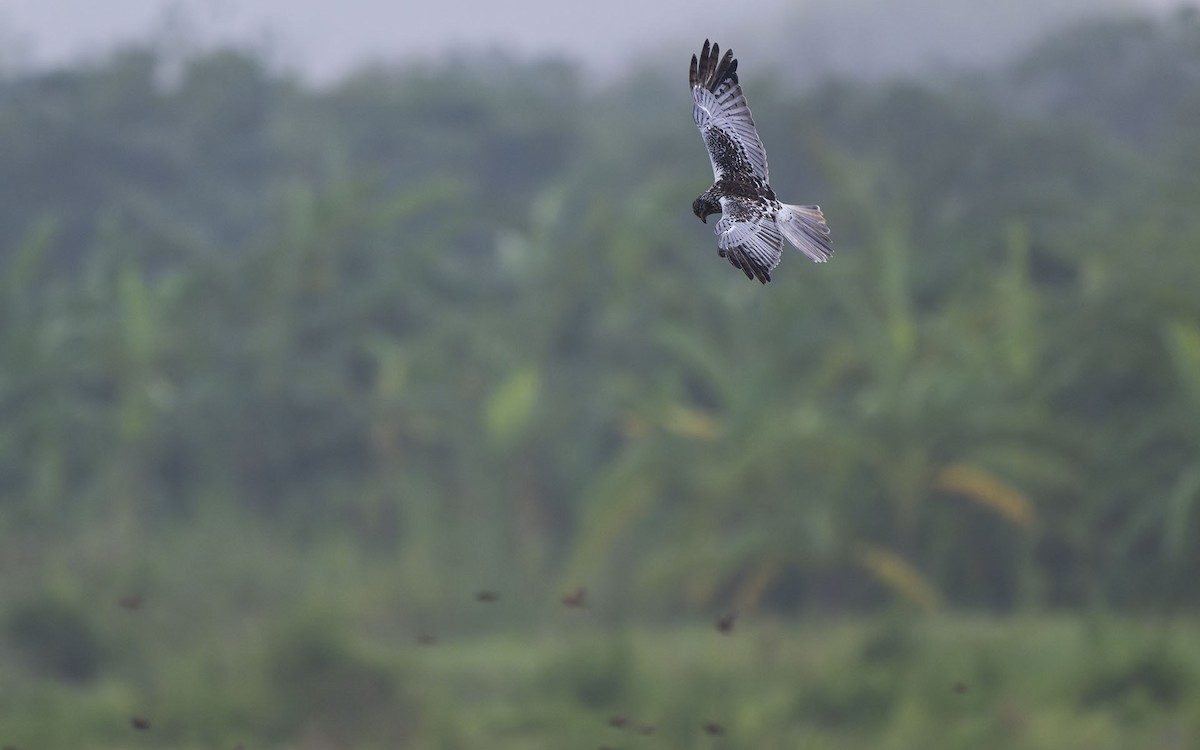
point(323, 39)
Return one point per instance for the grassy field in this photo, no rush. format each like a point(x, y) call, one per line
point(896, 682)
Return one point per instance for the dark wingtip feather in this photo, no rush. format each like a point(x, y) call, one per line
point(712, 70)
point(760, 273)
point(725, 70)
point(746, 270)
point(745, 264)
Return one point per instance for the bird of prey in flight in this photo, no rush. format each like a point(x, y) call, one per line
point(754, 223)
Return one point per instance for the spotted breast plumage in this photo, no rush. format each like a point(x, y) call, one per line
point(754, 223)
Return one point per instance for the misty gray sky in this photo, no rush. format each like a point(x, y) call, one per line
point(323, 39)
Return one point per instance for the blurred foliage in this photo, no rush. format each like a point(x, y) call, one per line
point(958, 682)
point(328, 695)
point(1152, 678)
point(597, 676)
point(446, 328)
point(54, 637)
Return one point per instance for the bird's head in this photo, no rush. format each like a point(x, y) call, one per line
point(705, 207)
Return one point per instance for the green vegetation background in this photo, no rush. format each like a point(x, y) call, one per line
point(288, 374)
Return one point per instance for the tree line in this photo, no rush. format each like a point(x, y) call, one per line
point(461, 314)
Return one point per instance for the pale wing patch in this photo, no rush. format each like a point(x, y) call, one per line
point(805, 227)
point(749, 239)
point(728, 114)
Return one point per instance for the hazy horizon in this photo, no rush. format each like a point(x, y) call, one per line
point(858, 36)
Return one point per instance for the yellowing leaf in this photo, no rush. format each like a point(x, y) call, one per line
point(750, 593)
point(691, 423)
point(633, 426)
point(701, 587)
point(897, 574)
point(987, 490)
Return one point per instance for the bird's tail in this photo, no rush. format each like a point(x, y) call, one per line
point(805, 227)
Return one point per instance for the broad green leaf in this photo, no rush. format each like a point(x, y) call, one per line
point(1183, 342)
point(510, 406)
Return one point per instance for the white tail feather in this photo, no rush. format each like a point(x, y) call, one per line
point(804, 227)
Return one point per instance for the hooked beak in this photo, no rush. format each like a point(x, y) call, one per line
point(703, 219)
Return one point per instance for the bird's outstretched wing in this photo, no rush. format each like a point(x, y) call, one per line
point(720, 111)
point(749, 238)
